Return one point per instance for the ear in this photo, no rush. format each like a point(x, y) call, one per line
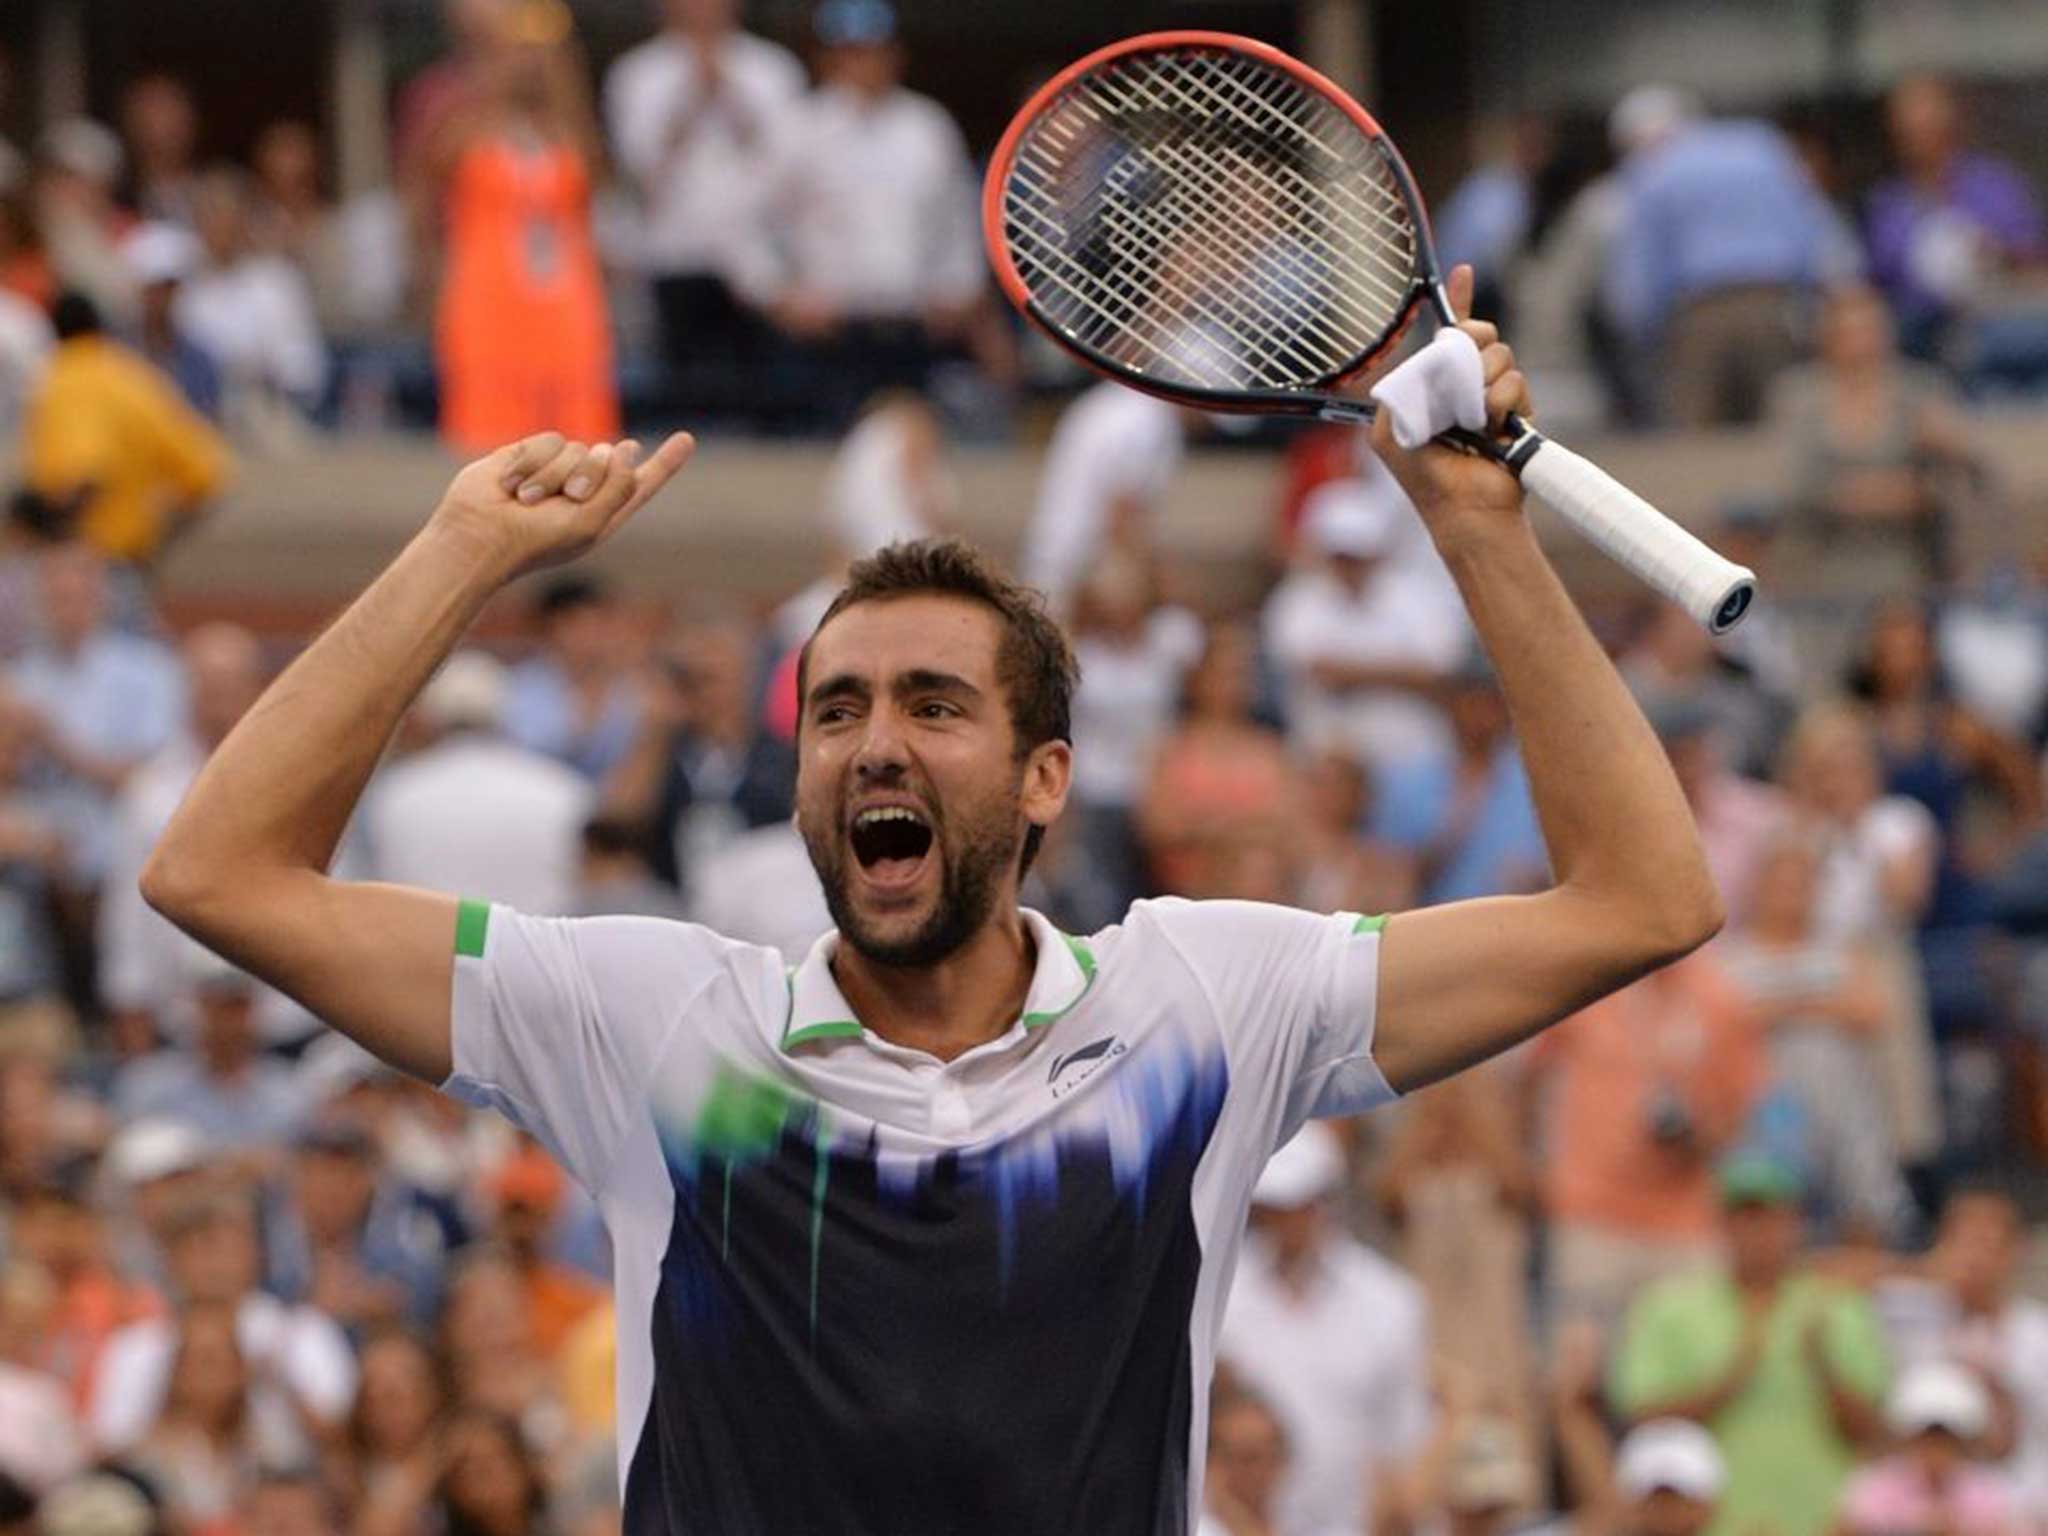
point(1048, 775)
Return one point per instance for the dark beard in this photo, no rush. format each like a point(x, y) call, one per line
point(966, 892)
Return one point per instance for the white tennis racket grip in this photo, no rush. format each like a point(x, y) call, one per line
point(1714, 590)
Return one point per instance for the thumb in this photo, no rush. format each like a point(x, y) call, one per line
point(1459, 287)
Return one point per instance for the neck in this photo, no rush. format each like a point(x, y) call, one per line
point(969, 998)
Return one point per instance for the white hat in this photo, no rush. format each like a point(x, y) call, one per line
point(162, 253)
point(1648, 115)
point(154, 1149)
point(84, 148)
point(1306, 1169)
point(469, 690)
point(1353, 517)
point(1938, 1394)
point(1670, 1454)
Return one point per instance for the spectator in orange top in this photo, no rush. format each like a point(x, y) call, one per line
point(1641, 1092)
point(523, 338)
point(528, 1189)
point(105, 421)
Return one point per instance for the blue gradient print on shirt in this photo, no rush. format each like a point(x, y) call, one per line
point(854, 1333)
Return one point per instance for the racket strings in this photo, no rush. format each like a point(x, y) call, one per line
point(1204, 218)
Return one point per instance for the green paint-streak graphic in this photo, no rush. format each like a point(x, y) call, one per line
point(818, 1183)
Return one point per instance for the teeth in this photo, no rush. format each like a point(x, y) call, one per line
point(887, 813)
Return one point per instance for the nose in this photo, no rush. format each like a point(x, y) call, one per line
point(883, 754)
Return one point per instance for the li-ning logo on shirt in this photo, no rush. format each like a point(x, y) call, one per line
point(1076, 1067)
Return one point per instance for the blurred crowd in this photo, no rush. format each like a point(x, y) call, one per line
point(1743, 1249)
point(710, 228)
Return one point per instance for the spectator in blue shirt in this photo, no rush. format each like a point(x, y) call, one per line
point(574, 700)
point(101, 701)
point(1722, 239)
point(1465, 814)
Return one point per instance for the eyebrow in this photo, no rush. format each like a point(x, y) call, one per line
point(848, 685)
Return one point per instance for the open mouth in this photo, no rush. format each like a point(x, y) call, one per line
point(891, 842)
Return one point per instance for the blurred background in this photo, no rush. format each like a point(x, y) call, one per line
point(269, 271)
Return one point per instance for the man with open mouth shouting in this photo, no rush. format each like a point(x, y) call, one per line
point(932, 1233)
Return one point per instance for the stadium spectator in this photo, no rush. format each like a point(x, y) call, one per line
point(1339, 868)
point(1670, 1476)
point(292, 217)
point(1737, 816)
point(472, 812)
point(160, 124)
point(493, 1484)
point(350, 1239)
point(31, 867)
point(616, 880)
point(1820, 1002)
point(106, 426)
point(694, 115)
point(393, 1440)
point(529, 1193)
point(202, 1447)
point(1464, 815)
point(302, 1376)
point(1248, 1457)
point(1879, 857)
point(1458, 1188)
point(868, 255)
point(1220, 781)
point(78, 223)
point(1474, 1479)
point(287, 1500)
point(449, 86)
point(1950, 221)
point(1366, 634)
point(703, 770)
point(40, 1443)
point(26, 340)
point(488, 1346)
point(1938, 1413)
point(522, 333)
point(253, 312)
point(99, 702)
point(25, 270)
point(1720, 241)
point(1980, 786)
point(889, 480)
point(60, 1228)
point(1675, 668)
point(1787, 1369)
point(1883, 459)
point(1103, 485)
point(575, 698)
point(224, 1087)
point(163, 257)
point(1963, 1304)
point(1135, 653)
point(1488, 216)
point(1640, 1095)
point(1332, 1335)
point(140, 955)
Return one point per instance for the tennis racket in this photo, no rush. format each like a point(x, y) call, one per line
point(1208, 220)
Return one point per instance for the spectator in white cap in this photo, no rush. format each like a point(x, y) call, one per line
point(79, 168)
point(1368, 631)
point(223, 1087)
point(1332, 1335)
point(472, 813)
point(1940, 1413)
point(1669, 1476)
point(162, 256)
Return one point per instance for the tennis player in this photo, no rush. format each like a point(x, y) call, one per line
point(931, 1234)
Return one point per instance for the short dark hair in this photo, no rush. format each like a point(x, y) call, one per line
point(565, 594)
point(1034, 663)
point(75, 315)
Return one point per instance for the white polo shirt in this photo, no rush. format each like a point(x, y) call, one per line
point(866, 1291)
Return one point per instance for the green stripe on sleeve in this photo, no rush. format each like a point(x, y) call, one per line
point(1370, 924)
point(472, 922)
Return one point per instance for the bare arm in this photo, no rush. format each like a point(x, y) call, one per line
point(1462, 982)
point(242, 866)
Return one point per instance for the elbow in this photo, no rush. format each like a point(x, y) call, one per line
point(173, 884)
point(1678, 923)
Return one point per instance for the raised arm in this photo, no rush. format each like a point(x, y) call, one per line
point(242, 866)
point(1461, 982)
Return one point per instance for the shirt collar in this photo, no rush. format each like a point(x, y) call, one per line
point(819, 1012)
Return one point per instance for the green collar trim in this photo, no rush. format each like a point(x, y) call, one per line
point(846, 1029)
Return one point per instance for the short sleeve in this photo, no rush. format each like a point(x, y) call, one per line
point(1856, 1345)
point(1295, 994)
point(1661, 1355)
point(558, 1022)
